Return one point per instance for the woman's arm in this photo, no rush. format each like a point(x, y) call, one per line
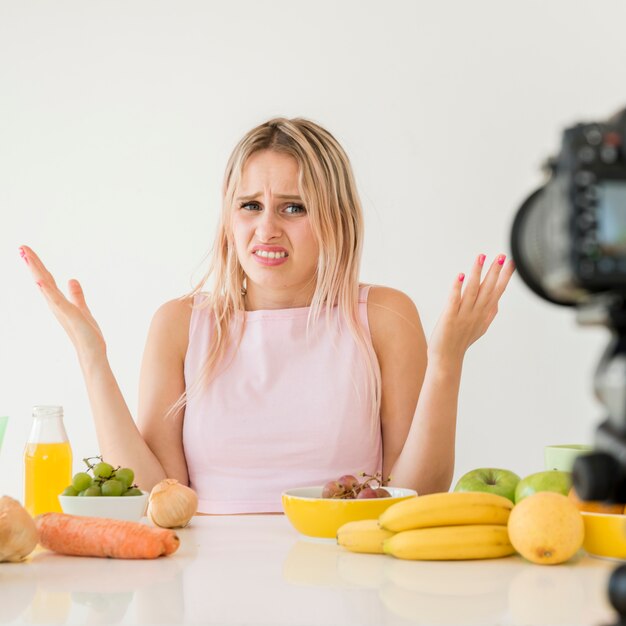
point(400, 345)
point(119, 438)
point(422, 384)
point(161, 384)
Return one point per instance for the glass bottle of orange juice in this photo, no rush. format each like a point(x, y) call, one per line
point(47, 461)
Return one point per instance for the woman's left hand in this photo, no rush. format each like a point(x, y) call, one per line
point(470, 311)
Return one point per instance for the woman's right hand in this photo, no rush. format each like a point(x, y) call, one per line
point(73, 314)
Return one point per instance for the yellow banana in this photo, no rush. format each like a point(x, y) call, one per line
point(363, 536)
point(446, 509)
point(451, 543)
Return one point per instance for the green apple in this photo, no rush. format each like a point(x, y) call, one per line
point(490, 479)
point(550, 480)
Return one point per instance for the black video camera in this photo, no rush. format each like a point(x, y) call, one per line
point(569, 236)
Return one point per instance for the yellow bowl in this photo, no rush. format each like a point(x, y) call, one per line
point(320, 517)
point(605, 535)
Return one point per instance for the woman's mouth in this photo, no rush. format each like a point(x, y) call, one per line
point(265, 257)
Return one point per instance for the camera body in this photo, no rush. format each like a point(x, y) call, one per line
point(570, 235)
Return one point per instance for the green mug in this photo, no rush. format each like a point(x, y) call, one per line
point(563, 457)
point(3, 426)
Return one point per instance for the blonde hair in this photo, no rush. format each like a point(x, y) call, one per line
point(328, 189)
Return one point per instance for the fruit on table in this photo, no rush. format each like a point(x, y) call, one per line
point(502, 482)
point(348, 487)
point(444, 543)
point(363, 536)
point(594, 506)
point(546, 528)
point(18, 533)
point(550, 480)
point(446, 509)
point(106, 481)
point(438, 526)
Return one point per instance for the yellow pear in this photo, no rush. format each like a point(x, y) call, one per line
point(546, 528)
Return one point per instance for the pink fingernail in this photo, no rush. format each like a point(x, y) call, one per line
point(501, 259)
point(481, 259)
point(23, 254)
point(39, 284)
point(461, 277)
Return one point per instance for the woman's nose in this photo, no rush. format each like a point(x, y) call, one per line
point(268, 226)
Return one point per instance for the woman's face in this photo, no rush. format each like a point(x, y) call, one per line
point(272, 232)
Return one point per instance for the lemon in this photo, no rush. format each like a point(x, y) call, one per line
point(546, 528)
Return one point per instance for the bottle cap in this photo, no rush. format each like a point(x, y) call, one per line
point(47, 411)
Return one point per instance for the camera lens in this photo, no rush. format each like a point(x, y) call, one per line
point(595, 476)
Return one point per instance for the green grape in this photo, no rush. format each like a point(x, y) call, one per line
point(112, 487)
point(133, 491)
point(102, 470)
point(92, 491)
point(69, 491)
point(126, 476)
point(81, 493)
point(81, 481)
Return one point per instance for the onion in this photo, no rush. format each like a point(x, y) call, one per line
point(171, 505)
point(18, 533)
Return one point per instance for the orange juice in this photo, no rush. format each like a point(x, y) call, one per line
point(48, 471)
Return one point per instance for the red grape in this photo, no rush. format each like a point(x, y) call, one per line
point(348, 487)
point(332, 489)
point(349, 482)
point(368, 492)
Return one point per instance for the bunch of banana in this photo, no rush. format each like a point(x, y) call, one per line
point(439, 526)
point(446, 509)
point(449, 543)
point(363, 536)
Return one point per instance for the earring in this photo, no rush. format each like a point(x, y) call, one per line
point(244, 291)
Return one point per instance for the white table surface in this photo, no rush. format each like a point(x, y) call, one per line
point(256, 569)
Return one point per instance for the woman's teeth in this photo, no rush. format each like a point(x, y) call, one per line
point(270, 255)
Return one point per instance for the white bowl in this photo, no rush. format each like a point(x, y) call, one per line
point(131, 508)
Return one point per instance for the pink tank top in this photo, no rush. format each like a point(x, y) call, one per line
point(284, 412)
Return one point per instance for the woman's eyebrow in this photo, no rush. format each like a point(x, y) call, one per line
point(281, 196)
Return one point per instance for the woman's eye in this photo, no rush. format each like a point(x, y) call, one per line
point(294, 209)
point(251, 206)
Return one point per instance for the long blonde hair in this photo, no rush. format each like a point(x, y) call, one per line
point(328, 189)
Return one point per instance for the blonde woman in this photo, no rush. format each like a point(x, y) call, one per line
point(285, 370)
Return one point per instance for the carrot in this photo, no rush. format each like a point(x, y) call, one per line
point(96, 536)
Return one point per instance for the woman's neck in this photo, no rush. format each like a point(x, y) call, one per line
point(257, 299)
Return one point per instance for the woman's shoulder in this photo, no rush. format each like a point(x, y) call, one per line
point(386, 301)
point(176, 310)
point(393, 317)
point(171, 321)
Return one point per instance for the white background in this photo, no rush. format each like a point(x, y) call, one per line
point(116, 120)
